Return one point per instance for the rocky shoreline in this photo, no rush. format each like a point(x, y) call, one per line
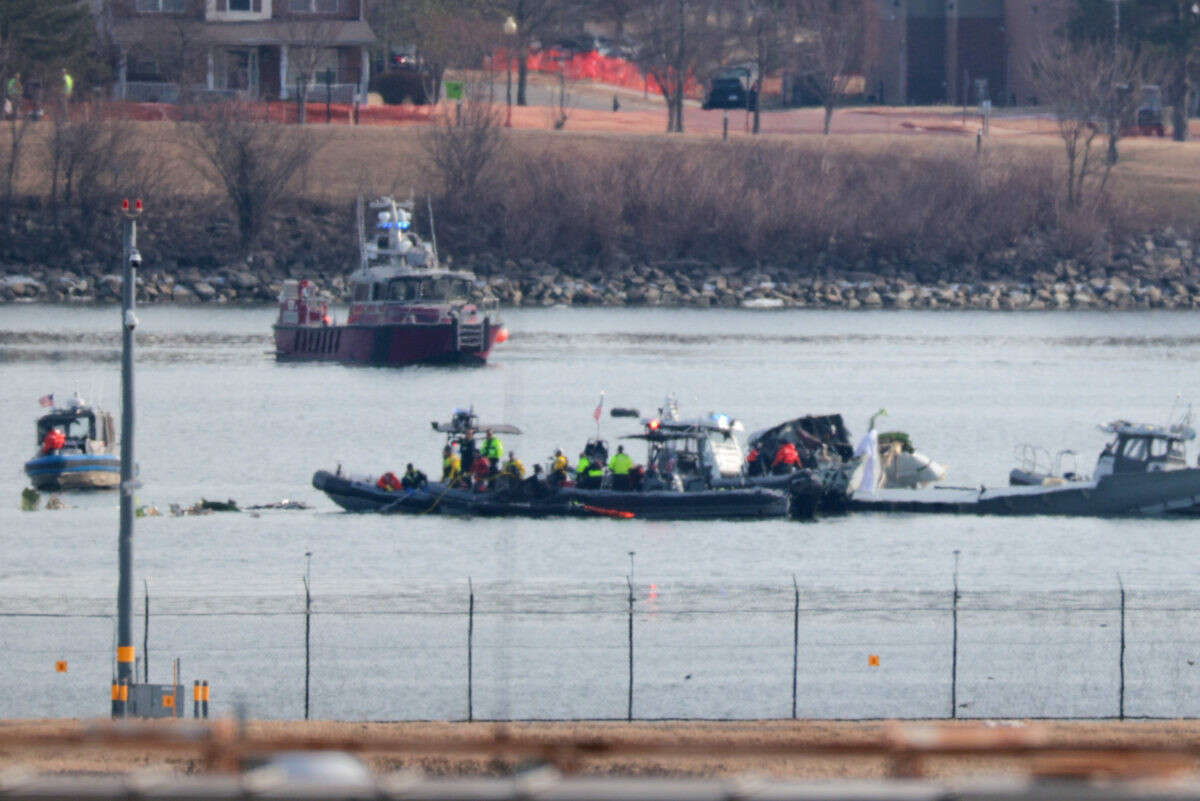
point(1159, 271)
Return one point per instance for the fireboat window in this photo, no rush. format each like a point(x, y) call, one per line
point(362, 292)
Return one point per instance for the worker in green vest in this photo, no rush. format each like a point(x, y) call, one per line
point(619, 466)
point(589, 474)
point(493, 450)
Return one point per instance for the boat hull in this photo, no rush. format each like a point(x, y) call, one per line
point(436, 498)
point(1151, 494)
point(382, 345)
point(73, 471)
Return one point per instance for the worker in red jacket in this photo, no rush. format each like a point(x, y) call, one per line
point(55, 441)
point(787, 459)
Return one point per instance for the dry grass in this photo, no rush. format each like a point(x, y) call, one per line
point(902, 197)
point(742, 734)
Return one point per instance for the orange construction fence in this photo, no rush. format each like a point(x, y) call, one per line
point(595, 67)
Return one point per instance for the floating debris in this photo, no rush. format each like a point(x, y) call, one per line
point(29, 499)
point(286, 504)
point(204, 507)
point(149, 510)
point(54, 503)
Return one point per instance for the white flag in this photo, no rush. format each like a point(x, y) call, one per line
point(869, 450)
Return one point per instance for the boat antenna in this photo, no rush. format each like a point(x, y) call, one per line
point(880, 413)
point(432, 229)
point(360, 214)
point(599, 413)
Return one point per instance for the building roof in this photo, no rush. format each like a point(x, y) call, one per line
point(335, 33)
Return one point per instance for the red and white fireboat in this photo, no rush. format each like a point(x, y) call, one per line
point(404, 308)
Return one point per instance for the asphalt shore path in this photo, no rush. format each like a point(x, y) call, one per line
point(716, 749)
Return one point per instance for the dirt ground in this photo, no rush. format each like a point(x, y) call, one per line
point(712, 747)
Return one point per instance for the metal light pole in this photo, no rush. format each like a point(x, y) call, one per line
point(510, 33)
point(130, 259)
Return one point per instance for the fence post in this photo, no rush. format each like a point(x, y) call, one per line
point(954, 646)
point(795, 641)
point(307, 630)
point(1121, 662)
point(146, 636)
point(629, 706)
point(470, 649)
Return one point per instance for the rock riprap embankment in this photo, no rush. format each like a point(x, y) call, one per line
point(1152, 272)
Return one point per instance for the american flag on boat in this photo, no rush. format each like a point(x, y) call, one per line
point(46, 400)
point(599, 408)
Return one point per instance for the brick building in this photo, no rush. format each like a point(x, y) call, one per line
point(951, 51)
point(252, 49)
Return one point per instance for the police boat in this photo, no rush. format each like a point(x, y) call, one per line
point(1142, 472)
point(77, 449)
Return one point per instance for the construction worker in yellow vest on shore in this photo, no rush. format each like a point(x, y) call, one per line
point(493, 450)
point(620, 465)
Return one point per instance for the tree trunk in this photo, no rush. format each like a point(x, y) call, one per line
point(828, 117)
point(522, 75)
point(1182, 91)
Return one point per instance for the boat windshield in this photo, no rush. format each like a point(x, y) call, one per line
point(76, 428)
point(429, 289)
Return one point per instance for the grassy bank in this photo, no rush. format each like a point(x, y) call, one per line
point(858, 200)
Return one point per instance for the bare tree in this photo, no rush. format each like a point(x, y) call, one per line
point(770, 26)
point(253, 162)
point(1092, 88)
point(535, 19)
point(463, 146)
point(94, 161)
point(309, 41)
point(677, 45)
point(832, 44)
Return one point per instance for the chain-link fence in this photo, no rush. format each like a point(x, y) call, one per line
point(700, 651)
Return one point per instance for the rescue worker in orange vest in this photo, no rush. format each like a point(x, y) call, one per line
point(388, 482)
point(754, 462)
point(787, 460)
point(481, 471)
point(55, 441)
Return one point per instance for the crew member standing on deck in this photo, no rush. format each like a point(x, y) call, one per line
point(451, 465)
point(620, 465)
point(467, 450)
point(493, 450)
point(559, 468)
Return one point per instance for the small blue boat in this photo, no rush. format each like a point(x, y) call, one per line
point(77, 449)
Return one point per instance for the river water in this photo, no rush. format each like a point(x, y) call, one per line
point(714, 602)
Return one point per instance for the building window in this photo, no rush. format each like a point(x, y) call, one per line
point(316, 6)
point(165, 6)
point(239, 5)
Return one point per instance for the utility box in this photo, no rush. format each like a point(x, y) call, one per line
point(157, 701)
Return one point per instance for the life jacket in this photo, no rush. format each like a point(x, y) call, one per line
point(514, 468)
point(389, 482)
point(451, 467)
point(560, 464)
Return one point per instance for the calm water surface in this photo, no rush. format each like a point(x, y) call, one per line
point(218, 418)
